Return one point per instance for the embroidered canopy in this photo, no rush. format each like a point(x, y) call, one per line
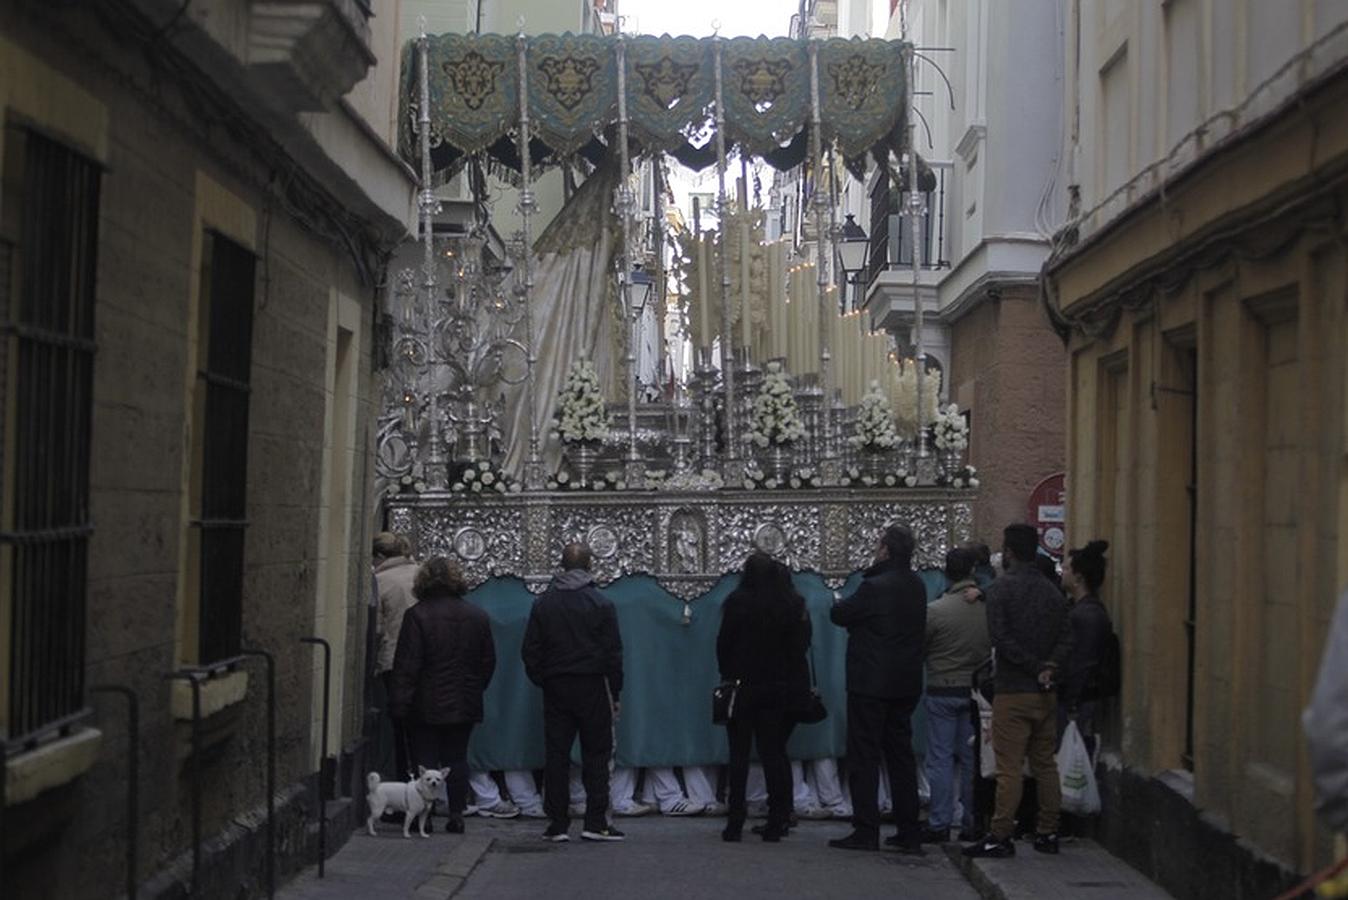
point(573, 84)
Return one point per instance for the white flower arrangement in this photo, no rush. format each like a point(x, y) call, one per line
point(581, 415)
point(875, 430)
point(407, 484)
point(482, 477)
point(776, 417)
point(564, 481)
point(854, 477)
point(952, 431)
point(757, 479)
point(965, 477)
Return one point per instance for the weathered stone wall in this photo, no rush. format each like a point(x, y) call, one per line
point(1007, 368)
point(1208, 361)
point(157, 152)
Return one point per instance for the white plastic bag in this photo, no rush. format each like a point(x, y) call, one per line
point(987, 757)
point(1080, 794)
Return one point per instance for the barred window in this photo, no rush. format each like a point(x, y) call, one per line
point(48, 251)
point(220, 443)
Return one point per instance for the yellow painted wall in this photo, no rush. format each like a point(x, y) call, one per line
point(1267, 324)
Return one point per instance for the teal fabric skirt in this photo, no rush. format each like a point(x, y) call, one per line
point(669, 663)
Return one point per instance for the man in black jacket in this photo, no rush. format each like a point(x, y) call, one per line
point(1032, 638)
point(886, 620)
point(573, 651)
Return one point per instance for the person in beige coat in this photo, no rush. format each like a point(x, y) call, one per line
point(394, 573)
point(957, 643)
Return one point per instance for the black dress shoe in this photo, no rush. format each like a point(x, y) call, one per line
point(855, 841)
point(905, 845)
point(935, 835)
point(1046, 843)
point(782, 830)
point(454, 826)
point(773, 834)
point(731, 834)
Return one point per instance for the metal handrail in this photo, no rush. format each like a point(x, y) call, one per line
point(323, 752)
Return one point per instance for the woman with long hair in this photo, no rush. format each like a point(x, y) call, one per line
point(764, 638)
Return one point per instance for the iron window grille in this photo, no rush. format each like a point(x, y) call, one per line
point(48, 267)
point(226, 348)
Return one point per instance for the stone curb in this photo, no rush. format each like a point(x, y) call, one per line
point(454, 869)
point(969, 868)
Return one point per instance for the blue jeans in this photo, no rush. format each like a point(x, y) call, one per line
point(950, 760)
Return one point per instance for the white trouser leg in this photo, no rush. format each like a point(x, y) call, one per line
point(756, 790)
point(522, 790)
point(882, 795)
point(621, 786)
point(801, 795)
point(698, 781)
point(484, 788)
point(662, 789)
point(829, 788)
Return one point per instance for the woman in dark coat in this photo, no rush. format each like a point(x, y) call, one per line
point(764, 638)
point(444, 661)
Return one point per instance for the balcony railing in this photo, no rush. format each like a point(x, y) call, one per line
point(891, 237)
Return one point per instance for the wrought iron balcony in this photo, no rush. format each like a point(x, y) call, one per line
point(891, 231)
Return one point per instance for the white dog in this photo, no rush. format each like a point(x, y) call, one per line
point(412, 798)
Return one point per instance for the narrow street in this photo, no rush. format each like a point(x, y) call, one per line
point(684, 857)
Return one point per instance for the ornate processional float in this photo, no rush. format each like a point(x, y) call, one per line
point(514, 418)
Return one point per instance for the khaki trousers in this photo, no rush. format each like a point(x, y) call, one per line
point(1025, 725)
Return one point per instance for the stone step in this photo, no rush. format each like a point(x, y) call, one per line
point(1081, 871)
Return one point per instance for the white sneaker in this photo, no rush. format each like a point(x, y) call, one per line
point(502, 810)
point(631, 810)
point(533, 812)
point(715, 809)
point(839, 812)
point(470, 810)
point(758, 810)
point(683, 808)
point(814, 812)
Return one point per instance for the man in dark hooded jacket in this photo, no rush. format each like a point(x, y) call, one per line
point(573, 651)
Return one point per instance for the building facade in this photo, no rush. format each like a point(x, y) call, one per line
point(1200, 282)
point(989, 128)
point(197, 205)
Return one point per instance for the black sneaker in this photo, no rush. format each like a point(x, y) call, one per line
point(991, 848)
point(1046, 843)
point(604, 834)
point(556, 835)
point(454, 826)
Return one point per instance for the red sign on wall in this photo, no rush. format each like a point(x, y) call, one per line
point(1048, 513)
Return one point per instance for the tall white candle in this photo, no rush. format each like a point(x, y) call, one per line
point(703, 295)
point(746, 317)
